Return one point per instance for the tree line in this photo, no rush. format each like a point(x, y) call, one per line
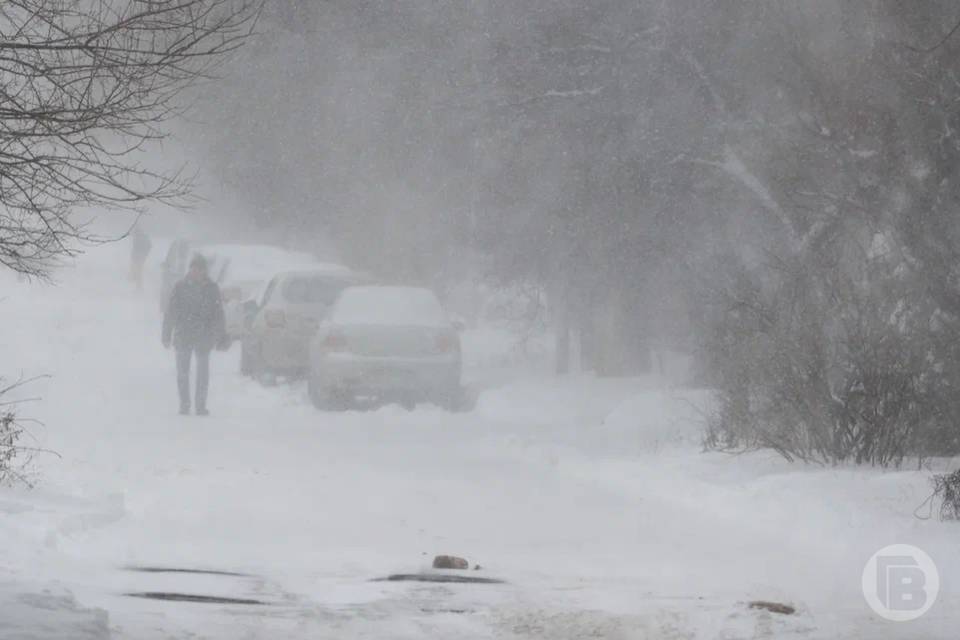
point(769, 185)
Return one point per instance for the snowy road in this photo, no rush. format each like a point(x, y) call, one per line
point(589, 498)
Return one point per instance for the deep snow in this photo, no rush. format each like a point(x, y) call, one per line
point(590, 497)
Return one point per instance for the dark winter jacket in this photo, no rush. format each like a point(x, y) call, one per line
point(194, 316)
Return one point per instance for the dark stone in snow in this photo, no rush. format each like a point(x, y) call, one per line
point(450, 562)
point(773, 607)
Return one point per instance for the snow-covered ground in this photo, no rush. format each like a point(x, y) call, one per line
point(590, 498)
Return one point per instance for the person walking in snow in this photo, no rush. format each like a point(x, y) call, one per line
point(194, 324)
point(138, 255)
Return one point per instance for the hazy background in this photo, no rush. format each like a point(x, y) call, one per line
point(615, 153)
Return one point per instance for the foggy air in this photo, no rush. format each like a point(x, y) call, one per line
point(479, 319)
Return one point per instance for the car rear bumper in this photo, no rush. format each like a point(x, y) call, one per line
point(353, 374)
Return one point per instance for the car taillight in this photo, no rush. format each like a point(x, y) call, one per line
point(275, 318)
point(335, 342)
point(446, 343)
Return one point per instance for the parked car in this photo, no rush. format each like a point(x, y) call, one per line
point(242, 270)
point(385, 342)
point(278, 326)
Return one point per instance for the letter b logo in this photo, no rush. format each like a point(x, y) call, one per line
point(901, 583)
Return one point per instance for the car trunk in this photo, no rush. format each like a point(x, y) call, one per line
point(393, 341)
point(305, 318)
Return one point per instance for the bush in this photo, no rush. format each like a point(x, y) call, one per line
point(14, 458)
point(832, 362)
point(10, 432)
point(946, 488)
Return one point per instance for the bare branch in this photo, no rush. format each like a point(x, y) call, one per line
point(84, 85)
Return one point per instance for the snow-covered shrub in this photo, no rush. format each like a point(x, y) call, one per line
point(10, 432)
point(947, 490)
point(847, 360)
point(14, 458)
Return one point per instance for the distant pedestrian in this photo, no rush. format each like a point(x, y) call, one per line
point(194, 324)
point(138, 255)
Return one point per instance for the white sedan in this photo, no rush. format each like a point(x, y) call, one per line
point(389, 343)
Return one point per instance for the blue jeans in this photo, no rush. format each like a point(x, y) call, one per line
point(183, 376)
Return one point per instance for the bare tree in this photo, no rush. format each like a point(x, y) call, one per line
point(85, 88)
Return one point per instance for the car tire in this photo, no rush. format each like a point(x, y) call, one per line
point(324, 399)
point(452, 400)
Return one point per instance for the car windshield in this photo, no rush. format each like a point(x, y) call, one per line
point(313, 289)
point(388, 306)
